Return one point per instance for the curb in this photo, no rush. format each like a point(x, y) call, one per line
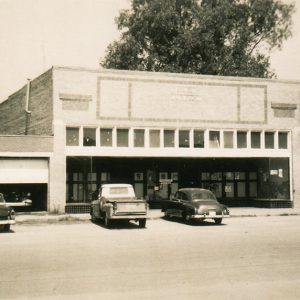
point(73, 218)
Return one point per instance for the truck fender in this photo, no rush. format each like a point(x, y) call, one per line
point(108, 209)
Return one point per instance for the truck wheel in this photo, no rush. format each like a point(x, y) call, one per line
point(94, 219)
point(142, 223)
point(107, 221)
point(6, 227)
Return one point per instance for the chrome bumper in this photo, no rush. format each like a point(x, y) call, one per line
point(128, 217)
point(4, 222)
point(209, 216)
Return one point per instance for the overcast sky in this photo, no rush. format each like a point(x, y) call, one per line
point(37, 34)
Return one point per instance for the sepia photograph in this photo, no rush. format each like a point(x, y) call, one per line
point(150, 149)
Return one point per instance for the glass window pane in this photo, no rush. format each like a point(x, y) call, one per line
point(240, 175)
point(198, 139)
point(92, 176)
point(205, 176)
point(241, 189)
point(184, 138)
point(229, 175)
point(214, 139)
point(169, 138)
point(269, 140)
point(154, 135)
point(282, 140)
point(252, 175)
point(77, 176)
point(72, 136)
point(216, 176)
point(280, 178)
point(242, 139)
point(229, 189)
point(89, 136)
point(106, 137)
point(122, 137)
point(228, 139)
point(255, 140)
point(216, 188)
point(139, 137)
point(253, 189)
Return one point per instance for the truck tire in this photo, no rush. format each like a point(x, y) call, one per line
point(142, 223)
point(107, 221)
point(93, 218)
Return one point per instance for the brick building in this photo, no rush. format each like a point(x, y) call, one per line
point(71, 129)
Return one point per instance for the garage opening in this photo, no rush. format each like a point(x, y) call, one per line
point(22, 178)
point(16, 193)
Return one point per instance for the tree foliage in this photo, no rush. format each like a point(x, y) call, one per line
point(217, 37)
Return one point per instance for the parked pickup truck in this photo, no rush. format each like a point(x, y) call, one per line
point(118, 201)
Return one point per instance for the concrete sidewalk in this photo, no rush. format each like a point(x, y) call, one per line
point(44, 217)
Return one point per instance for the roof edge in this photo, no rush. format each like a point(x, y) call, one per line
point(174, 75)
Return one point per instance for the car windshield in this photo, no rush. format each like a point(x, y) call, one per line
point(202, 195)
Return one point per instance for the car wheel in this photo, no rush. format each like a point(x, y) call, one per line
point(142, 223)
point(186, 217)
point(167, 216)
point(107, 221)
point(218, 221)
point(6, 227)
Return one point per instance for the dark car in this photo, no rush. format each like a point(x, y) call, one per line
point(195, 203)
point(7, 215)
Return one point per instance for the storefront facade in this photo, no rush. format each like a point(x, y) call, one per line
point(238, 137)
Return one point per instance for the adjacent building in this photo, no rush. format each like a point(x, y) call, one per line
point(72, 129)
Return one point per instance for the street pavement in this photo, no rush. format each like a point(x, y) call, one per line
point(244, 258)
point(36, 217)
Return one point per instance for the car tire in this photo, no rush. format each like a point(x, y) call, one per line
point(6, 227)
point(142, 223)
point(186, 217)
point(107, 221)
point(218, 221)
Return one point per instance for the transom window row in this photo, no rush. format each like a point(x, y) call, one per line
point(181, 138)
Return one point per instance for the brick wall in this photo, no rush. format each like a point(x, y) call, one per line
point(12, 114)
point(13, 118)
point(26, 144)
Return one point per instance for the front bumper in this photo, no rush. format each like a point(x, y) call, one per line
point(4, 222)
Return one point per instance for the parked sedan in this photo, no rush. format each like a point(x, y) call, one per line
point(195, 203)
point(7, 215)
